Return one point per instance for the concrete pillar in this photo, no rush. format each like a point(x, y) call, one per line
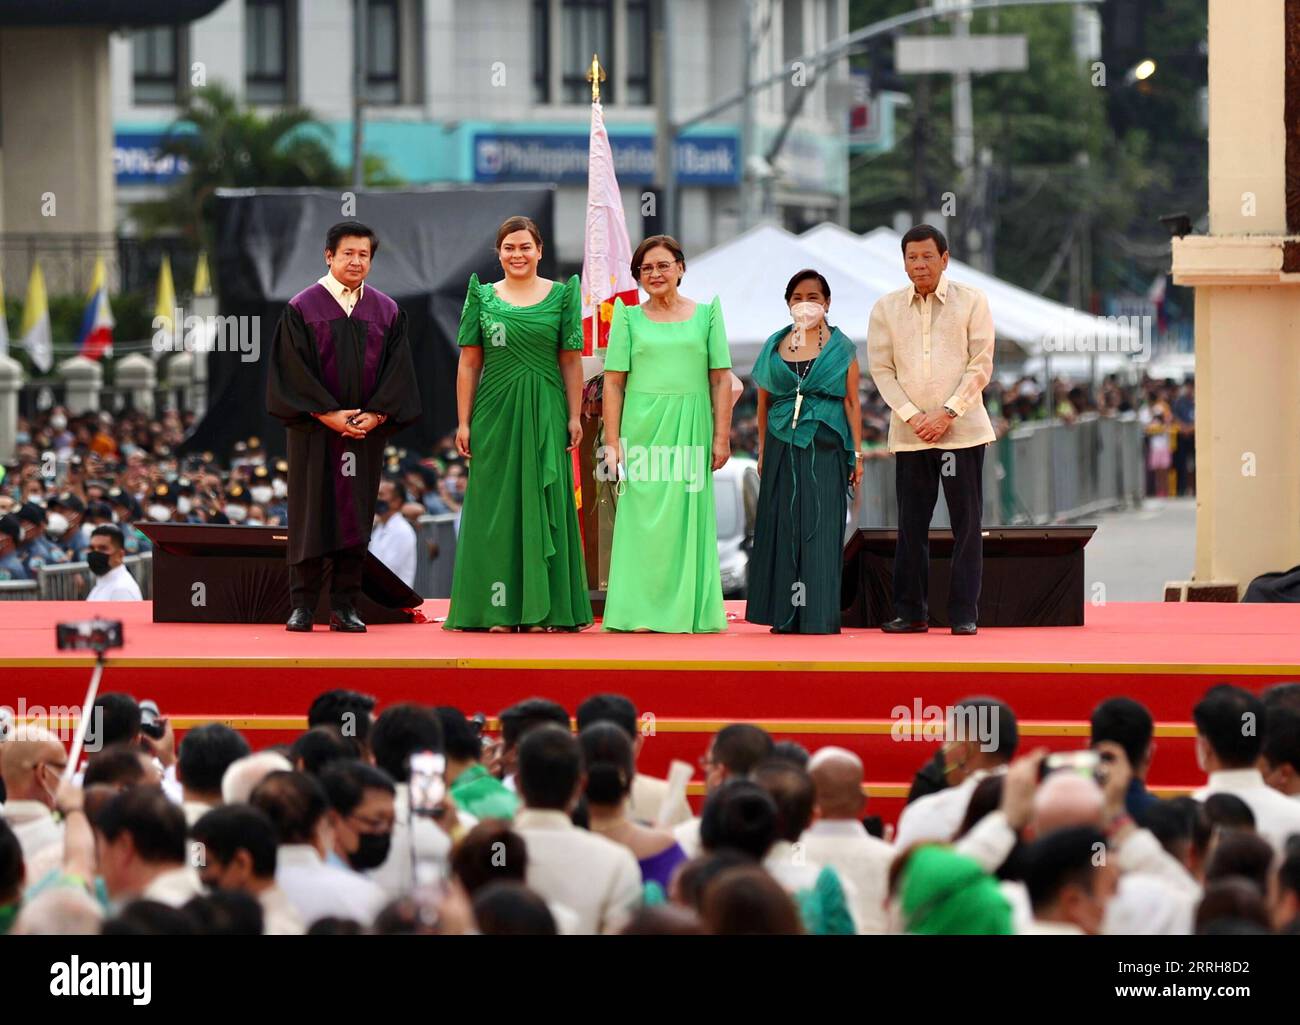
point(58, 139)
point(83, 378)
point(137, 375)
point(201, 306)
point(11, 379)
point(180, 381)
point(1246, 273)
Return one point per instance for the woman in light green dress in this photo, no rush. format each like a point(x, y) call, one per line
point(519, 558)
point(667, 399)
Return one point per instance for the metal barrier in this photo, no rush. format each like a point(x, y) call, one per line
point(19, 590)
point(72, 581)
point(1037, 473)
point(435, 554)
point(141, 567)
point(65, 581)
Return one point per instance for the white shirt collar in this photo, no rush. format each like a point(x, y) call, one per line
point(298, 855)
point(1045, 928)
point(1236, 779)
point(848, 828)
point(543, 818)
point(18, 812)
point(115, 574)
point(940, 290)
point(341, 291)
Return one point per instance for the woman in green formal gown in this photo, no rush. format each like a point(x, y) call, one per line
point(810, 433)
point(667, 400)
point(519, 554)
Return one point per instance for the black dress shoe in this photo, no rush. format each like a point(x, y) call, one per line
point(300, 620)
point(346, 621)
point(964, 629)
point(905, 626)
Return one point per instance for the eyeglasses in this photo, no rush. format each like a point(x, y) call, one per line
point(373, 825)
point(662, 268)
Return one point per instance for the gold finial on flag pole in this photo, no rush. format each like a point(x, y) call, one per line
point(595, 75)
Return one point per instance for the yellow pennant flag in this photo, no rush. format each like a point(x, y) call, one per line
point(36, 335)
point(165, 306)
point(202, 281)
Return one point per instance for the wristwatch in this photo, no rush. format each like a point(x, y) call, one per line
point(952, 413)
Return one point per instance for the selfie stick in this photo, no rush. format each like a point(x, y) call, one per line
point(87, 706)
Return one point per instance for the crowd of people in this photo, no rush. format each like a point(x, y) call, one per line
point(417, 821)
point(1165, 408)
point(116, 470)
point(113, 471)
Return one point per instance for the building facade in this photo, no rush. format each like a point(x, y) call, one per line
point(495, 91)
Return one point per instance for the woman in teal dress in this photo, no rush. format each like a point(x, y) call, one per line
point(667, 399)
point(810, 433)
point(519, 554)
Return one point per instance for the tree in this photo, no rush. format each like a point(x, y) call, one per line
point(229, 147)
point(1069, 156)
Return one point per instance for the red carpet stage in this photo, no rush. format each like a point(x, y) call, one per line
point(816, 690)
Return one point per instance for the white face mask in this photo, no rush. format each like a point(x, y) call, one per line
point(236, 513)
point(261, 494)
point(254, 523)
point(58, 422)
point(183, 505)
point(279, 487)
point(57, 780)
point(806, 314)
point(159, 513)
point(56, 524)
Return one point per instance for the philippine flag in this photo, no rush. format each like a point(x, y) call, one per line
point(606, 270)
point(97, 323)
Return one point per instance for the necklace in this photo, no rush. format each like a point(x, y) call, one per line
point(802, 368)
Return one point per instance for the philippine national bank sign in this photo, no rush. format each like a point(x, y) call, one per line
point(561, 157)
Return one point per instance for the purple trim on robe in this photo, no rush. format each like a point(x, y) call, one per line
point(319, 309)
point(379, 312)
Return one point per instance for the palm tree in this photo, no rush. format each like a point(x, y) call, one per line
point(229, 147)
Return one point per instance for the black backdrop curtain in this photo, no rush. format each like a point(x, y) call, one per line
point(270, 245)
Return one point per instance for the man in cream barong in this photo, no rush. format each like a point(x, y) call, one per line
point(931, 353)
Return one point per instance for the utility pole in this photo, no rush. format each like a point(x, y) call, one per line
point(747, 115)
point(921, 194)
point(360, 13)
point(665, 131)
point(963, 144)
point(823, 58)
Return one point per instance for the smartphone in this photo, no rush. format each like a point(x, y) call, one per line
point(1082, 763)
point(428, 783)
point(151, 721)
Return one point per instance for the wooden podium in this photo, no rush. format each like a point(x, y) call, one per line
point(221, 573)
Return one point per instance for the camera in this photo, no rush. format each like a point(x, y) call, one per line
point(152, 724)
point(97, 635)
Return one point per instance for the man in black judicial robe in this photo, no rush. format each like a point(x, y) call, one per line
point(342, 380)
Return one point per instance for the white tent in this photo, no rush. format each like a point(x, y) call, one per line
point(750, 273)
point(1024, 316)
